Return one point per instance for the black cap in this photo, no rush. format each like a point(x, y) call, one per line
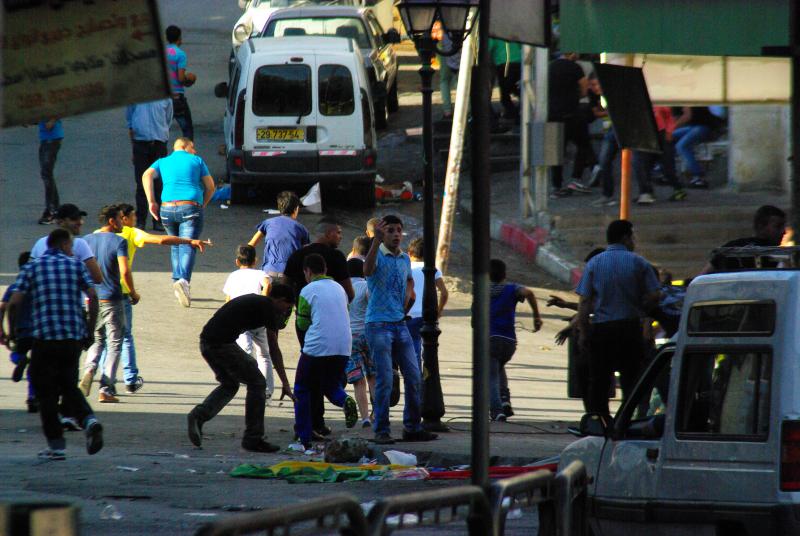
point(68, 211)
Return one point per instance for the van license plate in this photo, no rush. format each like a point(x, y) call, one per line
point(280, 134)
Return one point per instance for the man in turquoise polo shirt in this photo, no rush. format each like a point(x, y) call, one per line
point(391, 293)
point(187, 189)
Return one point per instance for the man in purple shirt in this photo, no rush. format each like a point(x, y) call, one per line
point(282, 235)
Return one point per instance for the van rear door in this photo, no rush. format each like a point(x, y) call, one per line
point(282, 136)
point(340, 133)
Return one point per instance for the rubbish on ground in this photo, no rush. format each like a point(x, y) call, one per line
point(398, 457)
point(191, 470)
point(111, 512)
point(223, 206)
point(349, 451)
point(222, 194)
point(128, 469)
point(200, 514)
point(413, 473)
point(379, 179)
point(296, 447)
point(494, 472)
point(182, 456)
point(313, 200)
point(394, 192)
point(367, 461)
point(296, 472)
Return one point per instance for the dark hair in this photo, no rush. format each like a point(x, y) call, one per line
point(281, 291)
point(415, 247)
point(361, 245)
point(108, 212)
point(288, 202)
point(23, 258)
point(764, 213)
point(325, 225)
point(355, 268)
point(58, 237)
point(315, 263)
point(173, 33)
point(594, 253)
point(497, 270)
point(391, 219)
point(618, 230)
point(126, 208)
point(246, 255)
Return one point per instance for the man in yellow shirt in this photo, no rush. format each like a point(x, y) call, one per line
point(137, 238)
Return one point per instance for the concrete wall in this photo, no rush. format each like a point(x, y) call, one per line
point(759, 148)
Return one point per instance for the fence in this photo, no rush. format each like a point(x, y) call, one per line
point(561, 500)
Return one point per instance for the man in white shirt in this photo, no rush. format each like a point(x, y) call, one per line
point(414, 323)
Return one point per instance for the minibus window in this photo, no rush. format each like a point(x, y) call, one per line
point(336, 90)
point(282, 90)
point(725, 395)
point(740, 319)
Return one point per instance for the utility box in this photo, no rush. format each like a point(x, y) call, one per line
point(44, 518)
point(547, 144)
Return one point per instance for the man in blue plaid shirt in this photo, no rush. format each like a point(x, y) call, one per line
point(60, 332)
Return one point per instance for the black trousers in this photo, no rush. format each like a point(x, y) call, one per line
point(144, 154)
point(613, 346)
point(233, 366)
point(509, 85)
point(576, 131)
point(54, 374)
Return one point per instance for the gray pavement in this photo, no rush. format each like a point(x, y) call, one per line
point(175, 487)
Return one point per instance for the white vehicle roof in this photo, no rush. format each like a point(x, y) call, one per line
point(302, 44)
point(316, 11)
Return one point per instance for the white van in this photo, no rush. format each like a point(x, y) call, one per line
point(299, 111)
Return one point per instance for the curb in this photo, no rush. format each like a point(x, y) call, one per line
point(535, 245)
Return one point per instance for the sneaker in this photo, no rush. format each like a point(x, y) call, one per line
point(137, 384)
point(260, 446)
point(106, 397)
point(563, 192)
point(678, 195)
point(33, 405)
point(52, 454)
point(577, 186)
point(419, 435)
point(645, 199)
point(94, 436)
point(19, 369)
point(85, 384)
point(366, 423)
point(350, 412)
point(48, 218)
point(698, 183)
point(604, 202)
point(383, 439)
point(195, 426)
point(70, 424)
point(498, 416)
point(181, 287)
point(507, 409)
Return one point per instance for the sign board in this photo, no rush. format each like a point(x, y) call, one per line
point(73, 56)
point(629, 107)
point(523, 21)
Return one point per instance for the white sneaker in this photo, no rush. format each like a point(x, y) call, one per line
point(645, 199)
point(52, 454)
point(181, 287)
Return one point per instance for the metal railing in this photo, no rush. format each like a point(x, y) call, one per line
point(337, 512)
point(437, 507)
point(531, 489)
point(569, 500)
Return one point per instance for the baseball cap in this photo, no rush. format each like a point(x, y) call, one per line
point(68, 211)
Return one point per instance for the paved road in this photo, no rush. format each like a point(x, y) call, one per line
point(173, 481)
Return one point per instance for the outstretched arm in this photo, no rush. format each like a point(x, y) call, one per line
point(277, 362)
point(531, 298)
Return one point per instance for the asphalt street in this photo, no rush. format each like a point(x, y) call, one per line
point(148, 470)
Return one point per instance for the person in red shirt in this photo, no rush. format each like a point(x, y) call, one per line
point(643, 162)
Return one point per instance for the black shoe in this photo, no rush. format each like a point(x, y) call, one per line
point(19, 369)
point(158, 227)
point(435, 426)
point(195, 426)
point(383, 439)
point(507, 409)
point(135, 386)
point(421, 435)
point(33, 405)
point(323, 431)
point(48, 218)
point(260, 446)
point(94, 437)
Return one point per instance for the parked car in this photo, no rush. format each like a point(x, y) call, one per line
point(358, 24)
point(298, 110)
point(709, 440)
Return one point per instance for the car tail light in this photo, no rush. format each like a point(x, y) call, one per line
point(790, 456)
point(369, 160)
point(238, 128)
point(237, 162)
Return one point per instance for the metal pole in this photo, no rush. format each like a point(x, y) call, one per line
point(540, 116)
point(625, 185)
point(794, 45)
point(526, 101)
point(481, 251)
point(432, 399)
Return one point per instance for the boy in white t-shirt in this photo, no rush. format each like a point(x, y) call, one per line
point(248, 280)
point(360, 369)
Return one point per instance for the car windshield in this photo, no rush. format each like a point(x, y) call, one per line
point(350, 27)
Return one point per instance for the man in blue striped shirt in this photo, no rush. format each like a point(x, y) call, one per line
point(618, 287)
point(60, 331)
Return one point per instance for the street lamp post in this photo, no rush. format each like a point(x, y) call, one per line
point(419, 17)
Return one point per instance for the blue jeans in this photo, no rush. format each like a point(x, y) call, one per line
point(320, 375)
point(500, 352)
point(391, 341)
point(608, 152)
point(185, 221)
point(128, 356)
point(685, 139)
point(414, 326)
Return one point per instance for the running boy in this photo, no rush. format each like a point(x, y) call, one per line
point(283, 235)
point(502, 337)
point(249, 280)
